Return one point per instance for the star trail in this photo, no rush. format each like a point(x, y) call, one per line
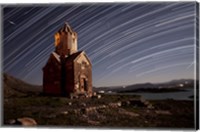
point(127, 43)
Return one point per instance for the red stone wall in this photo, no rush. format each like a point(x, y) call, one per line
point(80, 74)
point(52, 77)
point(69, 77)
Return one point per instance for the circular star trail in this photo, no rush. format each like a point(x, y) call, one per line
point(127, 43)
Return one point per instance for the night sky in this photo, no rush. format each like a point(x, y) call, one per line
point(126, 43)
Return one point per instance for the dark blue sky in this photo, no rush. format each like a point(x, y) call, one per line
point(127, 43)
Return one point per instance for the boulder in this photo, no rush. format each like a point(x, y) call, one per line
point(26, 121)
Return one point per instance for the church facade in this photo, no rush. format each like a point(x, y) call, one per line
point(67, 71)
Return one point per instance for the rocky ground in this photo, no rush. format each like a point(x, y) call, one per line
point(113, 111)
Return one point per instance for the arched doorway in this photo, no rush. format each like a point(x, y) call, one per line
point(83, 83)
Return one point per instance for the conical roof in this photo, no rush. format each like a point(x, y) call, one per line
point(66, 28)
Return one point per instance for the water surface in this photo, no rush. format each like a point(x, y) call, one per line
point(180, 95)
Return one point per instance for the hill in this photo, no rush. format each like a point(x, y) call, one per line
point(13, 87)
point(171, 86)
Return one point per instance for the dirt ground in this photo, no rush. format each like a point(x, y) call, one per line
point(109, 111)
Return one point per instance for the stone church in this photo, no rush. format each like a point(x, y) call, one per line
point(67, 71)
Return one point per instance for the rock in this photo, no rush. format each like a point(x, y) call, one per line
point(114, 105)
point(148, 111)
point(138, 102)
point(76, 97)
point(26, 121)
point(50, 116)
point(84, 116)
point(125, 103)
point(11, 121)
point(93, 122)
point(64, 112)
point(83, 104)
point(6, 100)
point(163, 112)
point(76, 111)
point(71, 96)
point(125, 112)
point(102, 91)
point(150, 106)
point(101, 106)
point(90, 95)
point(89, 110)
point(94, 93)
point(119, 104)
point(142, 100)
point(70, 103)
point(98, 96)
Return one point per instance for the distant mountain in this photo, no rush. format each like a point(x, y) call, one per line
point(179, 81)
point(13, 87)
point(180, 84)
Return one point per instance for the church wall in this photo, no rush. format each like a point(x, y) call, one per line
point(74, 43)
point(63, 46)
point(82, 72)
point(68, 71)
point(69, 77)
point(51, 79)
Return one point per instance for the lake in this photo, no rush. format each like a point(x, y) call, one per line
point(183, 95)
